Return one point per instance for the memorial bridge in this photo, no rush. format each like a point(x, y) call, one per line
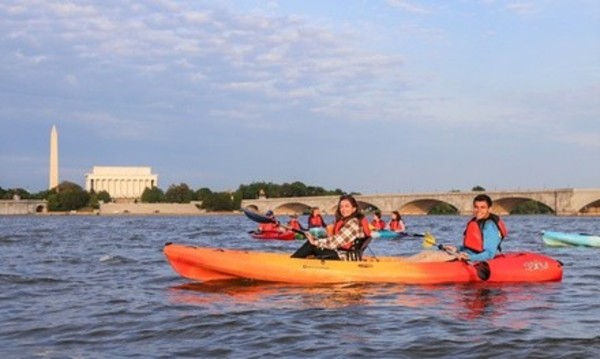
point(564, 202)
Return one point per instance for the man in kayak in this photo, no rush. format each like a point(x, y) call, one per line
point(270, 226)
point(349, 227)
point(482, 237)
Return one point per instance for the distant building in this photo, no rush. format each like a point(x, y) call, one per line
point(125, 183)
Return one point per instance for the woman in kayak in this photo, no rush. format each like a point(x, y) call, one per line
point(377, 224)
point(315, 220)
point(348, 228)
point(293, 223)
point(396, 222)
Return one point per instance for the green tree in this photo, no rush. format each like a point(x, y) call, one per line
point(179, 194)
point(532, 207)
point(221, 201)
point(95, 199)
point(443, 209)
point(295, 189)
point(153, 195)
point(478, 189)
point(202, 193)
point(11, 192)
point(104, 196)
point(67, 196)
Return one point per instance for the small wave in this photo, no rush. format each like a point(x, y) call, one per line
point(19, 279)
point(115, 259)
point(136, 237)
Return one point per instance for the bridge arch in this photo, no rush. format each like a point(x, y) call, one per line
point(592, 208)
point(292, 208)
point(422, 206)
point(504, 206)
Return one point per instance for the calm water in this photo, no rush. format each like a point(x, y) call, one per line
point(99, 287)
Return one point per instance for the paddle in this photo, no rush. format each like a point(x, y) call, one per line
point(482, 268)
point(411, 234)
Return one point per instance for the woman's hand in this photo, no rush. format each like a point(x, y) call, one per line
point(311, 239)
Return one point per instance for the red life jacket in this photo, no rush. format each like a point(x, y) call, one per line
point(315, 221)
point(394, 225)
point(378, 224)
point(473, 236)
point(364, 223)
point(268, 227)
point(293, 223)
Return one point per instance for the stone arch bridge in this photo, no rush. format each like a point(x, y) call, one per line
point(564, 202)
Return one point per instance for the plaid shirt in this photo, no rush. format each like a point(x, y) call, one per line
point(347, 234)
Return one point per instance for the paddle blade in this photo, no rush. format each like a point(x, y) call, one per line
point(257, 217)
point(429, 240)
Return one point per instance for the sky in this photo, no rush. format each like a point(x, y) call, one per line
point(386, 96)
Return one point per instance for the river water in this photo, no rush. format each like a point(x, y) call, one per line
point(100, 287)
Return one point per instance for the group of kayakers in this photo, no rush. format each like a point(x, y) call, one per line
point(396, 223)
point(315, 220)
point(351, 231)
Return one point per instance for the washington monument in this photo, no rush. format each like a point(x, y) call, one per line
point(53, 158)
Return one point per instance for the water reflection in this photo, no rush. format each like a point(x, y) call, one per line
point(275, 295)
point(504, 305)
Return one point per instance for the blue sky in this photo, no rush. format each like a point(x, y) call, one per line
point(366, 96)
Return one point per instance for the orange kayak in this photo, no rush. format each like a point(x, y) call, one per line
point(207, 264)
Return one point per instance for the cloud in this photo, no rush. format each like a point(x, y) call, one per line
point(407, 6)
point(110, 126)
point(274, 58)
point(522, 8)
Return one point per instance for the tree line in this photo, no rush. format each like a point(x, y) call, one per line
point(68, 196)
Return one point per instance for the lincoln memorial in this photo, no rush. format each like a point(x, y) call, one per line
point(121, 182)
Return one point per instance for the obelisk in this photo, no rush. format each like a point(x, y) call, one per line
point(53, 158)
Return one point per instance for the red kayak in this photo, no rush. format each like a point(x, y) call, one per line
point(282, 236)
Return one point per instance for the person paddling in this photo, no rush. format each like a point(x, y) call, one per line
point(396, 223)
point(377, 224)
point(482, 237)
point(350, 226)
point(293, 223)
point(273, 226)
point(315, 220)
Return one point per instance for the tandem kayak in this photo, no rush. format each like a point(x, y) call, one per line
point(283, 236)
point(208, 264)
point(563, 239)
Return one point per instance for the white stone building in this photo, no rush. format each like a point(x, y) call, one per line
point(121, 182)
